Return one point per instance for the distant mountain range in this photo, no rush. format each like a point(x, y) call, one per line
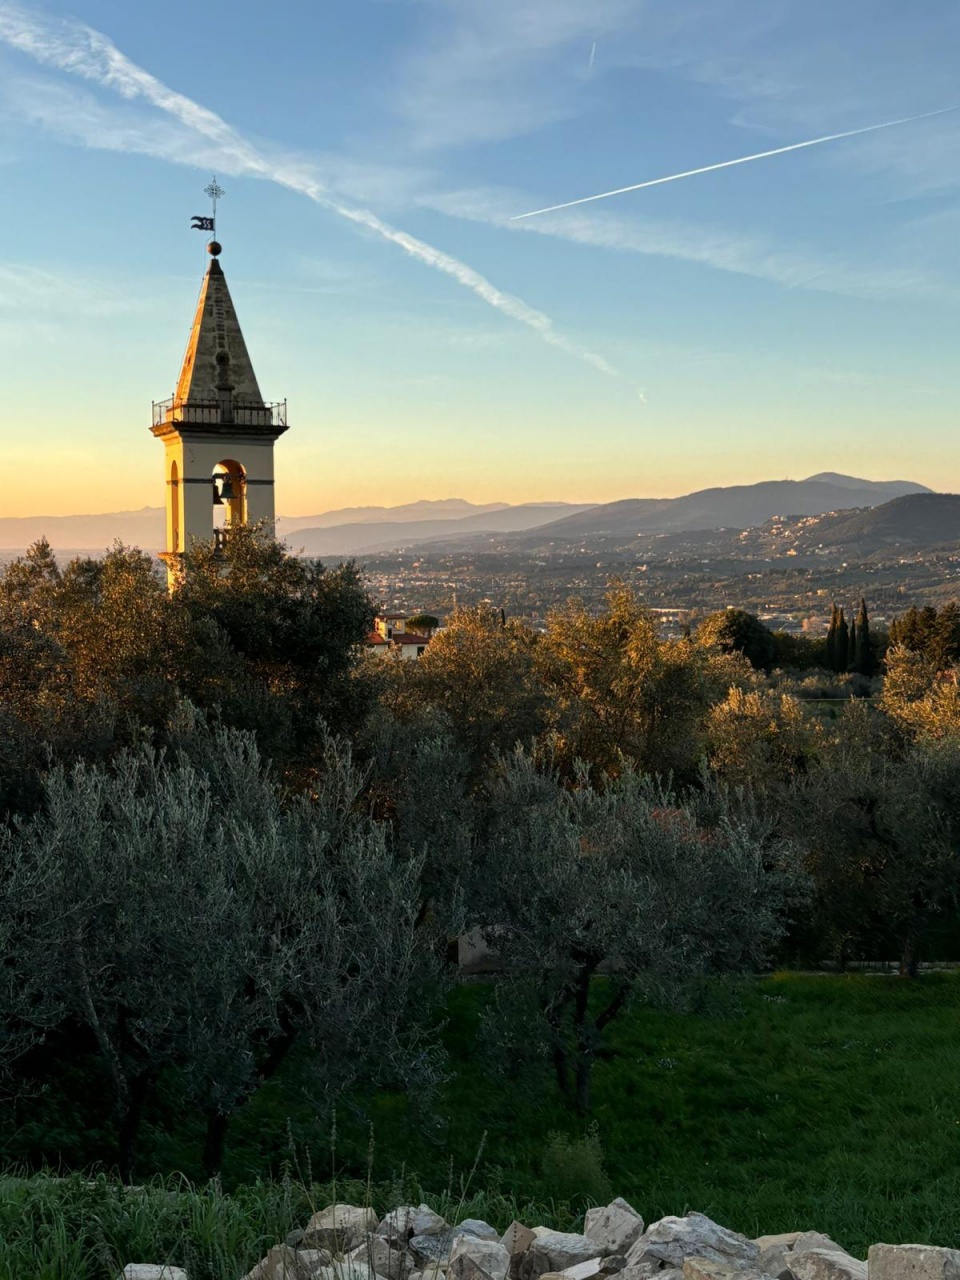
point(378, 536)
point(741, 506)
point(918, 520)
point(437, 509)
point(358, 531)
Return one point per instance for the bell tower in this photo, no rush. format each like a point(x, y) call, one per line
point(217, 430)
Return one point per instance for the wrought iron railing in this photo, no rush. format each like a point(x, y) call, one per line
point(216, 413)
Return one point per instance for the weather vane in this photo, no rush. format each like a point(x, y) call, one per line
point(200, 222)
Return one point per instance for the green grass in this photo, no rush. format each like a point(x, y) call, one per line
point(79, 1229)
point(803, 1102)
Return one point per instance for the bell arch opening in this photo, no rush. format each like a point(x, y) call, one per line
point(229, 481)
point(174, 507)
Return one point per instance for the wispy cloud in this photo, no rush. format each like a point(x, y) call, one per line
point(75, 48)
point(484, 70)
point(716, 247)
point(31, 290)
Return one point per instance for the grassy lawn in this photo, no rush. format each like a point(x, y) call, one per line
point(824, 1102)
point(818, 1102)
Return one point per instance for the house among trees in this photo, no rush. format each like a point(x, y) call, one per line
point(408, 634)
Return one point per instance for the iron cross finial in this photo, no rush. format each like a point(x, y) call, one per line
point(214, 191)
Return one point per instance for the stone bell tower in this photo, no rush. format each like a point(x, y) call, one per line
point(217, 430)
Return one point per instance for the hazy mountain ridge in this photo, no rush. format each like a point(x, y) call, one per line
point(347, 532)
point(733, 507)
point(360, 539)
point(910, 522)
point(425, 509)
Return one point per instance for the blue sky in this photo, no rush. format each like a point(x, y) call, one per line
point(773, 319)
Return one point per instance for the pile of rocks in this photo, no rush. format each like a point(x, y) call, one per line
point(345, 1242)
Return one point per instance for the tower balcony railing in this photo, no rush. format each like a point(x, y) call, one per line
point(215, 413)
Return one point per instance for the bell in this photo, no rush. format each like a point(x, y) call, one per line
point(226, 489)
point(217, 500)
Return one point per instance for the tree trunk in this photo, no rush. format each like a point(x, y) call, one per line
point(584, 1039)
point(130, 1121)
point(910, 954)
point(214, 1142)
point(561, 1069)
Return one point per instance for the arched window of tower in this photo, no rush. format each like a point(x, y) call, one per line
point(229, 482)
point(173, 506)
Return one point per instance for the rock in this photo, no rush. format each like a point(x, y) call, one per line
point(816, 1240)
point(284, 1263)
point(612, 1264)
point(344, 1271)
point(473, 1258)
point(912, 1262)
point(151, 1271)
point(555, 1251)
point(432, 1249)
point(339, 1227)
point(774, 1252)
point(476, 1227)
point(614, 1228)
point(385, 1261)
point(707, 1269)
point(642, 1270)
point(604, 1266)
point(672, 1240)
point(826, 1264)
point(410, 1220)
point(517, 1238)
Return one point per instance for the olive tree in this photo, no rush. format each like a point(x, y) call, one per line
point(189, 919)
point(577, 882)
point(879, 821)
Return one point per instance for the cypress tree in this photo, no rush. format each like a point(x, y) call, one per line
point(852, 646)
point(863, 659)
point(841, 643)
point(832, 641)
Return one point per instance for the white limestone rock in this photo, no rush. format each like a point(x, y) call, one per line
point(816, 1240)
point(382, 1258)
point(339, 1227)
point(344, 1271)
point(671, 1240)
point(410, 1220)
point(476, 1259)
point(555, 1251)
point(151, 1271)
point(774, 1253)
point(285, 1263)
point(432, 1249)
point(517, 1238)
point(476, 1227)
point(912, 1262)
point(614, 1228)
point(826, 1264)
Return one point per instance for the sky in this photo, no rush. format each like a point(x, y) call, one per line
point(767, 320)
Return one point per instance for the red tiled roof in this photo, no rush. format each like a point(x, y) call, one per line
point(409, 637)
point(374, 637)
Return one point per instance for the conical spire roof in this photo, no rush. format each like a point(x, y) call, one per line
point(216, 362)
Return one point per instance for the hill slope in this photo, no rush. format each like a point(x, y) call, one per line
point(736, 507)
point(916, 520)
point(358, 539)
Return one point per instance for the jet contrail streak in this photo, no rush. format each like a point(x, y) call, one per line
point(726, 164)
point(76, 48)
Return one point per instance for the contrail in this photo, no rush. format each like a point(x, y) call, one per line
point(726, 164)
point(593, 55)
point(74, 47)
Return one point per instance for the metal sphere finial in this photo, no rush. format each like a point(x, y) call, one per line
point(215, 248)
